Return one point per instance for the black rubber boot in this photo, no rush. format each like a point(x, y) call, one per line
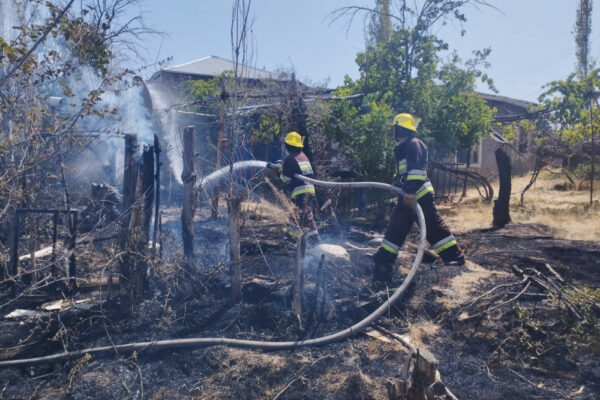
point(457, 261)
point(383, 268)
point(453, 257)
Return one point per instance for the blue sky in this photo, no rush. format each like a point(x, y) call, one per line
point(531, 40)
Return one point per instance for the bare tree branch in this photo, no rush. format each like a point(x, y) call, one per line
point(36, 44)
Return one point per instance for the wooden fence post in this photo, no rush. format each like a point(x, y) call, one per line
point(14, 260)
point(157, 197)
point(130, 177)
point(54, 240)
point(298, 281)
point(148, 187)
point(188, 208)
point(73, 218)
point(235, 271)
point(132, 268)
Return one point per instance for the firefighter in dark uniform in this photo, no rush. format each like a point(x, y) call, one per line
point(301, 192)
point(411, 163)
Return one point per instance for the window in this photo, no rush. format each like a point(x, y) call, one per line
point(473, 156)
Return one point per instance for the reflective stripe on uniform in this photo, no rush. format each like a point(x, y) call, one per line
point(305, 167)
point(284, 178)
point(423, 190)
point(389, 246)
point(443, 244)
point(402, 165)
point(417, 175)
point(304, 189)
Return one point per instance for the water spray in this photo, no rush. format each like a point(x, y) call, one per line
point(257, 344)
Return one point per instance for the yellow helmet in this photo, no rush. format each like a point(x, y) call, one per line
point(294, 139)
point(407, 121)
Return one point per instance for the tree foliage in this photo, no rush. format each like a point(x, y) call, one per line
point(407, 73)
point(569, 101)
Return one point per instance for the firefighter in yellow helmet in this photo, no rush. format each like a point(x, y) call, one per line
point(301, 192)
point(411, 165)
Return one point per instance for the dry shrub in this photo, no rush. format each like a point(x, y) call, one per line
point(264, 210)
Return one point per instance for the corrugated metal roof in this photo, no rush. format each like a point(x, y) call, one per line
point(509, 100)
point(214, 66)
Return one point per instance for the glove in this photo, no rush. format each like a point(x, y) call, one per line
point(277, 165)
point(398, 181)
point(409, 200)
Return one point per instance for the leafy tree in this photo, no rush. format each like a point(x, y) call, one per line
point(569, 100)
point(461, 117)
point(573, 103)
point(407, 74)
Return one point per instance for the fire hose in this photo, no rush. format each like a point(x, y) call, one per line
point(257, 344)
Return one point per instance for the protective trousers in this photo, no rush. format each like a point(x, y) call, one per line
point(438, 233)
point(304, 215)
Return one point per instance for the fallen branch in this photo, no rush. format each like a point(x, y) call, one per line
point(465, 316)
point(552, 289)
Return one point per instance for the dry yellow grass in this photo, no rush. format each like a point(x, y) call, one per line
point(568, 213)
point(466, 283)
point(265, 210)
point(422, 332)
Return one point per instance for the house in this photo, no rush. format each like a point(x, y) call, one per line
point(260, 90)
point(210, 67)
point(482, 159)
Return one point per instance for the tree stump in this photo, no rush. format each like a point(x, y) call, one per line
point(501, 205)
point(425, 382)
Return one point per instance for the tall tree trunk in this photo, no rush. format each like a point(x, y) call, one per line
point(501, 205)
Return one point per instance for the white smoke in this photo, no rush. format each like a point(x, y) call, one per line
point(167, 116)
point(131, 114)
point(127, 100)
point(7, 20)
